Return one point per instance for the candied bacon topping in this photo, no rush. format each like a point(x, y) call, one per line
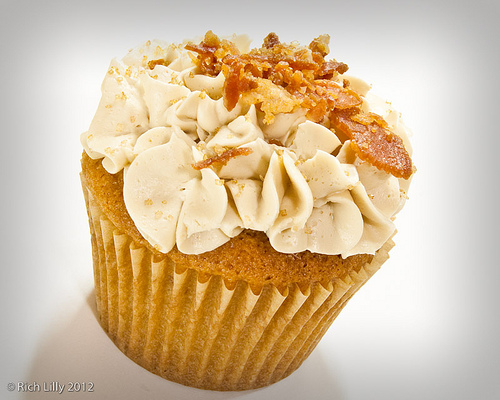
point(281, 77)
point(222, 159)
point(373, 142)
point(291, 67)
point(210, 51)
point(271, 40)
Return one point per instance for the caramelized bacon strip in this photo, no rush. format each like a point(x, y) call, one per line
point(222, 159)
point(237, 81)
point(373, 143)
point(206, 57)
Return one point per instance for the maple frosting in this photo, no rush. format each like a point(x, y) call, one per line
point(296, 180)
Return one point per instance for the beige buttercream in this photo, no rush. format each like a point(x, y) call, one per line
point(299, 184)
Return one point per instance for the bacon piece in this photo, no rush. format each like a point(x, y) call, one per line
point(319, 45)
point(338, 97)
point(222, 159)
point(237, 81)
point(373, 143)
point(327, 69)
point(331, 68)
point(211, 51)
point(271, 40)
point(206, 56)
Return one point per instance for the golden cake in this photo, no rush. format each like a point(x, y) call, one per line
point(237, 199)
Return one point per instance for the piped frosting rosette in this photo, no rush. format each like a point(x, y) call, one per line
point(293, 179)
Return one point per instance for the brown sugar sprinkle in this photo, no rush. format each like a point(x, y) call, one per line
point(153, 63)
point(222, 159)
point(310, 82)
point(276, 142)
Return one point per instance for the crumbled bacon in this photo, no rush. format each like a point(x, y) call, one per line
point(330, 68)
point(222, 159)
point(271, 40)
point(210, 51)
point(291, 67)
point(280, 78)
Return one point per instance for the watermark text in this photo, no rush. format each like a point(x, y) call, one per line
point(50, 387)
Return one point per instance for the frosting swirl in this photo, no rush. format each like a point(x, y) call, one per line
point(297, 182)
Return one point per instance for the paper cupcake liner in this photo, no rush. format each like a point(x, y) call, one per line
point(204, 332)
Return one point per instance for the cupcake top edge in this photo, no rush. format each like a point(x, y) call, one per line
point(214, 138)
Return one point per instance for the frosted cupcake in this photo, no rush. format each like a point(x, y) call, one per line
point(237, 199)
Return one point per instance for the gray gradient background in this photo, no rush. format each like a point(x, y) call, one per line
point(425, 327)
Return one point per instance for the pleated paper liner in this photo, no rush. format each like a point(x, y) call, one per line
point(200, 331)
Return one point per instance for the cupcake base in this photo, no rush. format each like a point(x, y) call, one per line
point(200, 330)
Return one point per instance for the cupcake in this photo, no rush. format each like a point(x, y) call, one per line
point(237, 199)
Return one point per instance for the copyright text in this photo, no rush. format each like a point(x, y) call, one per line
point(52, 387)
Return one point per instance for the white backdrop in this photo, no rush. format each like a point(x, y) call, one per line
point(425, 327)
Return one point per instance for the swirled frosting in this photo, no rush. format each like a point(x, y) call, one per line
point(297, 181)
